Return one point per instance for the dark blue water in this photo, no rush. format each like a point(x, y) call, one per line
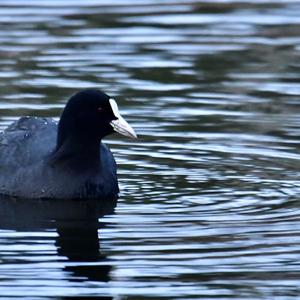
point(209, 205)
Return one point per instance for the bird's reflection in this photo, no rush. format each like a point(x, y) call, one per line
point(75, 221)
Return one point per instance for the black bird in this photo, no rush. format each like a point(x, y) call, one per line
point(42, 159)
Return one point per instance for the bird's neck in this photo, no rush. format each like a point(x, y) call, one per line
point(81, 152)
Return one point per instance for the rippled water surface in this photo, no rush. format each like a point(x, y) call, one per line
point(209, 207)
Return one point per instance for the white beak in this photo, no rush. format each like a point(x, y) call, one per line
point(120, 125)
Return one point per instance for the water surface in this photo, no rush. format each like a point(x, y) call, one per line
point(209, 203)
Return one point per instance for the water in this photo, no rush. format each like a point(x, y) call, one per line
point(209, 203)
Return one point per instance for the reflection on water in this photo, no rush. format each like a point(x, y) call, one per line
point(209, 204)
point(62, 233)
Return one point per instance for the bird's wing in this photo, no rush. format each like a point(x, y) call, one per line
point(26, 141)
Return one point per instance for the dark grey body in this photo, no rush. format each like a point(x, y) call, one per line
point(27, 169)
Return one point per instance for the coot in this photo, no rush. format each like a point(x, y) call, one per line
point(42, 159)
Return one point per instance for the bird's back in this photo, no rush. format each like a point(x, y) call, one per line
point(24, 143)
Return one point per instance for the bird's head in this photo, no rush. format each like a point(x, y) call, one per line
point(93, 114)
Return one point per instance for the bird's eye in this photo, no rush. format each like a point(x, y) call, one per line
point(100, 109)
